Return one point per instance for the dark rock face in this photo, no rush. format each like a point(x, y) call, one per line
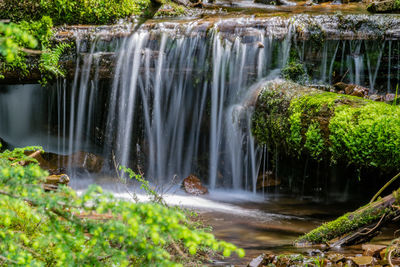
point(192, 185)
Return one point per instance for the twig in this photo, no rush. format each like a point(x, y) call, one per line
point(373, 228)
point(344, 75)
point(389, 257)
point(176, 247)
point(384, 187)
point(32, 52)
point(133, 195)
point(7, 260)
point(104, 258)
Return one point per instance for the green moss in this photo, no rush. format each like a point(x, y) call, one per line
point(328, 126)
point(345, 224)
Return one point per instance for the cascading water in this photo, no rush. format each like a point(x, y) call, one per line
point(180, 87)
point(176, 99)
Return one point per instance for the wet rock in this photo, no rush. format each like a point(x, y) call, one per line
point(360, 91)
point(315, 252)
point(363, 260)
point(351, 89)
point(88, 161)
point(260, 45)
point(53, 181)
point(375, 97)
point(267, 179)
point(340, 86)
point(372, 250)
point(57, 164)
point(383, 6)
point(57, 179)
point(310, 3)
point(192, 185)
point(389, 97)
point(336, 257)
point(258, 262)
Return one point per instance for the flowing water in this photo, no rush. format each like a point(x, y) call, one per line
point(177, 98)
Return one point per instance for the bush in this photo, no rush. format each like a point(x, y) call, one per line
point(73, 11)
point(13, 39)
point(39, 228)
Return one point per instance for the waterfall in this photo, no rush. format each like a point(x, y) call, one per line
point(177, 99)
point(189, 92)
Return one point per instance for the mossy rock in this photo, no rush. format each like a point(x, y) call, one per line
point(302, 121)
point(386, 6)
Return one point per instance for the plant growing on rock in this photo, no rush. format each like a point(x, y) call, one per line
point(327, 126)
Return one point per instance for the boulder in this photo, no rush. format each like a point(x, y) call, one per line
point(192, 185)
point(351, 89)
point(372, 250)
point(384, 6)
point(267, 179)
point(389, 97)
point(340, 86)
point(376, 97)
point(257, 262)
point(363, 261)
point(88, 161)
point(53, 181)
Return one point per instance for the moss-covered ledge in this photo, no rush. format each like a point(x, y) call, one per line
point(302, 121)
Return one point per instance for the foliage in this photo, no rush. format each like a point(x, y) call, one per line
point(36, 33)
point(39, 228)
point(11, 40)
point(77, 11)
point(328, 126)
point(49, 62)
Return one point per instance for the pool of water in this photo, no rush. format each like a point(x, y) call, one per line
point(258, 223)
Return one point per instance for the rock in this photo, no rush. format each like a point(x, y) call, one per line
point(88, 161)
point(340, 86)
point(309, 3)
point(336, 257)
point(383, 6)
point(360, 91)
point(260, 45)
point(376, 97)
point(389, 97)
point(257, 262)
point(266, 2)
point(351, 89)
point(273, 2)
point(53, 181)
point(57, 179)
point(192, 185)
point(267, 179)
point(363, 260)
point(372, 250)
